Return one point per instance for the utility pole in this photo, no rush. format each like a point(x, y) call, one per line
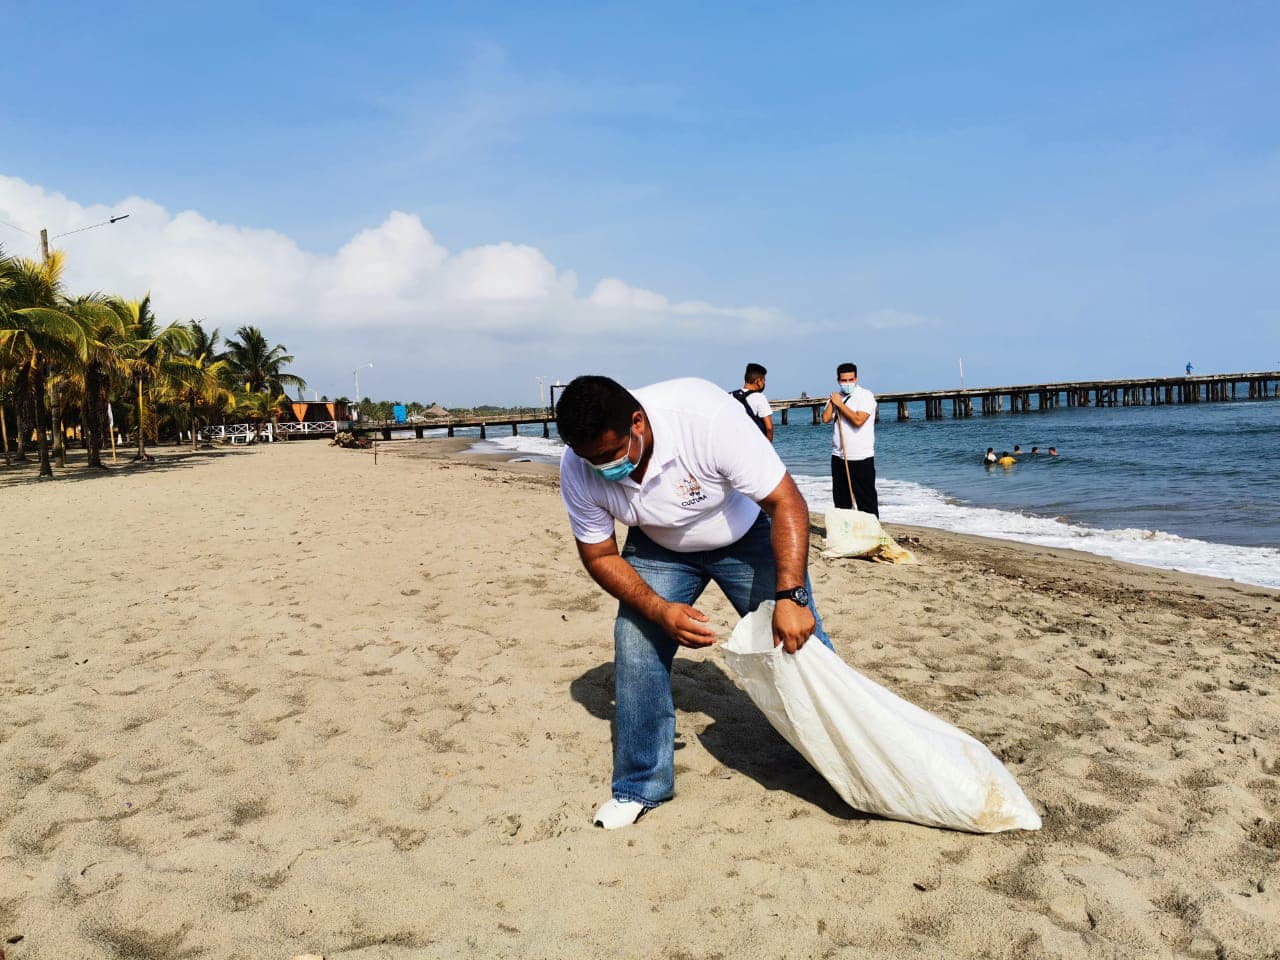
point(44, 234)
point(356, 374)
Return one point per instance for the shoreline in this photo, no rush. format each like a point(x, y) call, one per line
point(458, 451)
point(458, 448)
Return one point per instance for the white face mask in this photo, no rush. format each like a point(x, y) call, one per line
point(847, 388)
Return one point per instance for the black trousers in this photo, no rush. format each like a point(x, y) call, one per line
point(863, 475)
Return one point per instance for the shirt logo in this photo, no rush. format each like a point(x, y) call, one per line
point(691, 490)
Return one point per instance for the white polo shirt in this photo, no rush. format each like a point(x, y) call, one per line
point(859, 442)
point(759, 405)
point(710, 467)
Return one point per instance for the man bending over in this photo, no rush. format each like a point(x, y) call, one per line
point(706, 499)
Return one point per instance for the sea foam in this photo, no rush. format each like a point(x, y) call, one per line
point(906, 502)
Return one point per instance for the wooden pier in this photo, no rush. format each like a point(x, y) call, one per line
point(1027, 398)
point(384, 428)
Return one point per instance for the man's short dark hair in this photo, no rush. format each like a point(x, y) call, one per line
point(754, 372)
point(592, 406)
point(847, 368)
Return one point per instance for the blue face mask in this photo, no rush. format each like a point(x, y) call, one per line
point(621, 468)
point(847, 388)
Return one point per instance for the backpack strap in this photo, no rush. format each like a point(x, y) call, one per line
point(741, 396)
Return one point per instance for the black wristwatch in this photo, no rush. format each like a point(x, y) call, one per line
point(797, 594)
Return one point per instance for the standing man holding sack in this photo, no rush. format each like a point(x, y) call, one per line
point(853, 445)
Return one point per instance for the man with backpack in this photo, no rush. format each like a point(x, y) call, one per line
point(753, 400)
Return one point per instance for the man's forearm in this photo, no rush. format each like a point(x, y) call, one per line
point(620, 580)
point(790, 540)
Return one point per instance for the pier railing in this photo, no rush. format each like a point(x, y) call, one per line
point(1026, 398)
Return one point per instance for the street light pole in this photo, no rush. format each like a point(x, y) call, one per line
point(356, 374)
point(44, 234)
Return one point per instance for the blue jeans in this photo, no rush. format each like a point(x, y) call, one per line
point(645, 726)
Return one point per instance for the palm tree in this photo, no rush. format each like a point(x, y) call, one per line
point(258, 365)
point(105, 332)
point(152, 357)
point(7, 375)
point(206, 342)
point(36, 335)
point(257, 408)
point(207, 387)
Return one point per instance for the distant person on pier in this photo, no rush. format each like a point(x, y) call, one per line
point(853, 446)
point(1006, 460)
point(990, 457)
point(1189, 368)
point(753, 400)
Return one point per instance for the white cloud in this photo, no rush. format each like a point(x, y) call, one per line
point(395, 277)
point(894, 320)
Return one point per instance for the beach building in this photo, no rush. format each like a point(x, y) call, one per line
point(316, 411)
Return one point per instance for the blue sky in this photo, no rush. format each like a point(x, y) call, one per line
point(1084, 190)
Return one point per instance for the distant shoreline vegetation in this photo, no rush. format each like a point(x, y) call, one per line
point(82, 368)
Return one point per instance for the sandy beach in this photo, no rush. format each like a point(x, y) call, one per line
point(275, 701)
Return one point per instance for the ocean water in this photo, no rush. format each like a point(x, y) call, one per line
point(1194, 488)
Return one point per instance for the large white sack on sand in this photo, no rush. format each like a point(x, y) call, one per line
point(882, 754)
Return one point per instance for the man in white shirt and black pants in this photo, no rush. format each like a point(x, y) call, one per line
point(706, 498)
point(853, 443)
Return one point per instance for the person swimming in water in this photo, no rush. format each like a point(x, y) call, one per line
point(1006, 460)
point(1053, 451)
point(990, 457)
point(1035, 451)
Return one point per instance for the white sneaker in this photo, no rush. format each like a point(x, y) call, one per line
point(617, 814)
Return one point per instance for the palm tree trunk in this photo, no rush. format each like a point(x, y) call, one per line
point(142, 443)
point(4, 435)
point(24, 428)
point(42, 440)
point(95, 415)
point(59, 428)
point(193, 427)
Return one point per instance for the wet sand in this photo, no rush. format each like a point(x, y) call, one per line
point(271, 701)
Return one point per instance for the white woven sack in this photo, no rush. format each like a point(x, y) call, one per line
point(880, 753)
point(852, 533)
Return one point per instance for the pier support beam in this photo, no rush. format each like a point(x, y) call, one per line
point(483, 433)
point(817, 415)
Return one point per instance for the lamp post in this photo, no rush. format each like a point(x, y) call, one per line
point(356, 373)
point(45, 238)
point(44, 234)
